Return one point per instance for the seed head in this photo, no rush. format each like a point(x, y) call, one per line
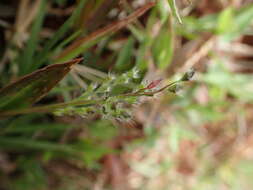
point(175, 88)
point(188, 75)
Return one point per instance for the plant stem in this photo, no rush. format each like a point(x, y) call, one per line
point(53, 107)
point(49, 108)
point(141, 93)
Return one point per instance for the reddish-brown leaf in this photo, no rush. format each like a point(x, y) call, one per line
point(32, 87)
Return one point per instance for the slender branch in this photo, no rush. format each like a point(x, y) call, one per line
point(141, 93)
point(48, 108)
point(53, 107)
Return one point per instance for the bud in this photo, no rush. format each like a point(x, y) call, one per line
point(136, 73)
point(127, 81)
point(188, 75)
point(111, 76)
point(95, 86)
point(108, 89)
point(175, 88)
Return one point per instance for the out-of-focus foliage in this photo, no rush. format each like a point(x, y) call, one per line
point(199, 137)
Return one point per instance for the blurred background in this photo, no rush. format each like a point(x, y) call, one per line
point(199, 138)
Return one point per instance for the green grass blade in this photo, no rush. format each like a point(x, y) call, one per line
point(125, 55)
point(175, 11)
point(46, 52)
point(82, 44)
point(163, 49)
point(25, 64)
point(18, 143)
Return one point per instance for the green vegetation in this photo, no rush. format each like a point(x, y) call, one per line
point(101, 95)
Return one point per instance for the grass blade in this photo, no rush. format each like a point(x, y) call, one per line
point(26, 61)
point(80, 45)
point(175, 11)
point(125, 55)
point(45, 53)
point(14, 143)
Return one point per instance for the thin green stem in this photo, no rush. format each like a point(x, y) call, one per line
point(54, 107)
point(49, 108)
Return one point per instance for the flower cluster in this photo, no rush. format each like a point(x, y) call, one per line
point(110, 97)
point(115, 97)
